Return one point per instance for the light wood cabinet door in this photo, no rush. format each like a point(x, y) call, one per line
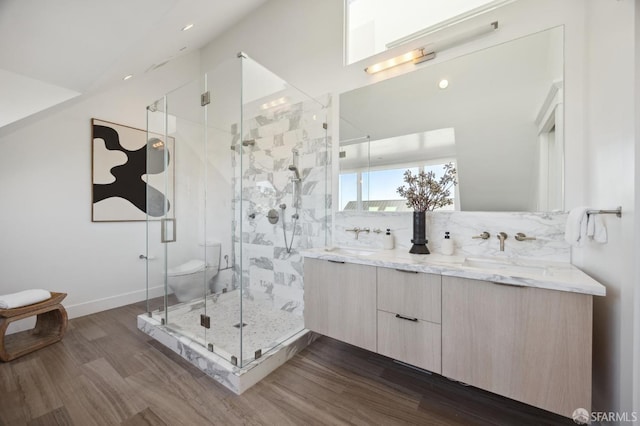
point(340, 301)
point(532, 345)
point(415, 342)
point(410, 294)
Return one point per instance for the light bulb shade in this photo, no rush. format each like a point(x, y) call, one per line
point(414, 55)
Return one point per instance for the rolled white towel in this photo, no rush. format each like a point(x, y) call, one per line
point(576, 228)
point(23, 298)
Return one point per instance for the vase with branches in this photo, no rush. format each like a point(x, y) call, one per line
point(424, 192)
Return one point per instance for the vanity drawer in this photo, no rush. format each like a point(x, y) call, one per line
point(415, 295)
point(415, 342)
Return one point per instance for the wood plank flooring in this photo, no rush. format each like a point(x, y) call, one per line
point(106, 372)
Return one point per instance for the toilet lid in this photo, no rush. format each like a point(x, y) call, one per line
point(187, 268)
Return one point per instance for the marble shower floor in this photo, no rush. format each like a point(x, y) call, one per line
point(266, 326)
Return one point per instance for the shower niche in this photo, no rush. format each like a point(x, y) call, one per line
point(249, 176)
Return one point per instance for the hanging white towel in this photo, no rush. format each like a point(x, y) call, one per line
point(596, 230)
point(23, 298)
point(576, 228)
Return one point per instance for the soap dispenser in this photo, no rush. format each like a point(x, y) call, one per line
point(447, 244)
point(388, 242)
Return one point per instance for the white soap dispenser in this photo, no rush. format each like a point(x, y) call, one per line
point(447, 245)
point(387, 242)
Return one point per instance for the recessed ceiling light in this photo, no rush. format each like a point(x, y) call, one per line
point(443, 84)
point(187, 27)
point(127, 77)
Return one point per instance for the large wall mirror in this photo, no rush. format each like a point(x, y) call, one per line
point(497, 114)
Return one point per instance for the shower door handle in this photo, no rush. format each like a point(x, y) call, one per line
point(168, 230)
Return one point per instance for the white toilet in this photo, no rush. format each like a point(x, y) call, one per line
point(188, 279)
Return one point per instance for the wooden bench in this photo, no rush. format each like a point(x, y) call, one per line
point(51, 324)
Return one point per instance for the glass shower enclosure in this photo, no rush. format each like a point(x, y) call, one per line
point(238, 174)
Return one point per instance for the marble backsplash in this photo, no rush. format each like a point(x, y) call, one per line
point(547, 228)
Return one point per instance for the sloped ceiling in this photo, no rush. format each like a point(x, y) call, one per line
point(51, 51)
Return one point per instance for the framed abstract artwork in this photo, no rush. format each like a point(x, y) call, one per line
point(132, 173)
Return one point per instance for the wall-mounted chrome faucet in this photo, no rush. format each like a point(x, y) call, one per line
point(522, 237)
point(357, 231)
point(485, 236)
point(502, 236)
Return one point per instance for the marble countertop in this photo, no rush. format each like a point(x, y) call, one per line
point(518, 272)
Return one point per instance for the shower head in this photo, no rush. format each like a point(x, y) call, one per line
point(294, 169)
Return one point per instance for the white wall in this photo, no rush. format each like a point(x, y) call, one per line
point(48, 238)
point(609, 146)
point(302, 42)
point(636, 311)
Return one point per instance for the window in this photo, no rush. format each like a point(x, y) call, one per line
point(377, 188)
point(373, 26)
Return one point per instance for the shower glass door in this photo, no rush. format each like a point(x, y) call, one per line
point(238, 170)
point(176, 247)
point(283, 158)
point(222, 117)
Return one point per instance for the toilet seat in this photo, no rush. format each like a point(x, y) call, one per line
point(189, 267)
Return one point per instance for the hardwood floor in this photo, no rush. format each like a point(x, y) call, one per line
point(106, 372)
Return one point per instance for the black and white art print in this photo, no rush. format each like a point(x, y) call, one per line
point(129, 180)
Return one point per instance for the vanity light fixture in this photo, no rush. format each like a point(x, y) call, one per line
point(274, 103)
point(417, 56)
point(187, 27)
point(127, 77)
point(443, 84)
point(422, 54)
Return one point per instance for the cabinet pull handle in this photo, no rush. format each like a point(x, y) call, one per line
point(508, 284)
point(335, 261)
point(404, 270)
point(406, 318)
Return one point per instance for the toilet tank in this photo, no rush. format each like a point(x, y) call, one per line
point(212, 254)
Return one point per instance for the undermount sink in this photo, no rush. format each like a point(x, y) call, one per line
point(504, 264)
point(350, 251)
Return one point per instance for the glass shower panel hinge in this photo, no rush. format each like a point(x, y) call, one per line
point(234, 360)
point(205, 98)
point(205, 321)
point(258, 353)
point(325, 126)
point(210, 347)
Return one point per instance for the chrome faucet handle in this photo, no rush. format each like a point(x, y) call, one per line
point(502, 236)
point(377, 230)
point(485, 236)
point(355, 230)
point(367, 230)
point(522, 237)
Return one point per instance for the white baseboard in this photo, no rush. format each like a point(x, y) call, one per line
point(93, 306)
point(104, 304)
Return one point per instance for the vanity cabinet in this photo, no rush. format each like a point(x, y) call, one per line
point(409, 313)
point(529, 344)
point(340, 301)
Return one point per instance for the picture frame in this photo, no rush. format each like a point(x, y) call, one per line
point(128, 173)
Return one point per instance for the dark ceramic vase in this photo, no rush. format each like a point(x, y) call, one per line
point(419, 240)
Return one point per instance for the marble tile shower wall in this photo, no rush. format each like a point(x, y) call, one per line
point(548, 228)
point(268, 271)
